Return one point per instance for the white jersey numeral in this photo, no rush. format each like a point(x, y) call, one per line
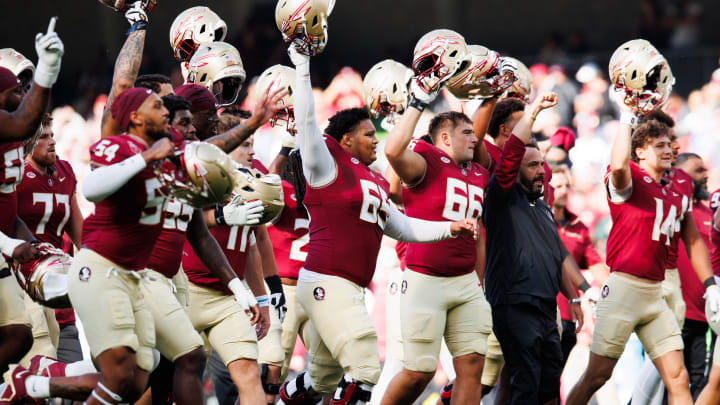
point(462, 200)
point(47, 200)
point(298, 244)
point(152, 212)
point(13, 169)
point(105, 149)
point(374, 208)
point(232, 238)
point(664, 227)
point(178, 211)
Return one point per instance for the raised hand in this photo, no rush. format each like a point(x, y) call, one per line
point(50, 50)
point(267, 106)
point(136, 13)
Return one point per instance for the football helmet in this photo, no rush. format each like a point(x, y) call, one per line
point(522, 86)
point(438, 55)
point(305, 23)
point(19, 65)
point(252, 185)
point(199, 175)
point(487, 74)
point(641, 75)
point(218, 66)
point(194, 27)
point(122, 5)
point(385, 90)
point(282, 77)
point(45, 278)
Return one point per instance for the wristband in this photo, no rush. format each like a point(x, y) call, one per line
point(219, 215)
point(274, 284)
point(574, 301)
point(417, 104)
point(263, 300)
point(710, 281)
point(628, 118)
point(138, 26)
point(584, 286)
point(236, 287)
point(285, 151)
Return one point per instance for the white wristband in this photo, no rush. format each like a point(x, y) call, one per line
point(8, 244)
point(263, 300)
point(628, 118)
point(46, 75)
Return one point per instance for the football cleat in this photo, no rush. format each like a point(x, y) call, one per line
point(301, 395)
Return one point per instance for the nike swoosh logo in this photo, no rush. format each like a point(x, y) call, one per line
point(681, 181)
point(61, 179)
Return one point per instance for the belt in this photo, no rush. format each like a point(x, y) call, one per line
point(5, 272)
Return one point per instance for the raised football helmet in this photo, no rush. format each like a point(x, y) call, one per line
point(281, 77)
point(522, 86)
point(194, 27)
point(122, 5)
point(385, 90)
point(486, 75)
point(305, 23)
point(199, 175)
point(19, 65)
point(218, 66)
point(45, 278)
point(641, 76)
point(438, 55)
point(252, 185)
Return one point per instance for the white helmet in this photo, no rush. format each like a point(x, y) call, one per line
point(194, 27)
point(305, 23)
point(438, 55)
point(522, 86)
point(252, 185)
point(486, 75)
point(281, 77)
point(45, 278)
point(385, 90)
point(218, 66)
point(641, 75)
point(21, 66)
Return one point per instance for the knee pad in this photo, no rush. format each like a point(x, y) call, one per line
point(351, 392)
point(270, 389)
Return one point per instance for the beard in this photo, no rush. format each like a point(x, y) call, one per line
point(529, 186)
point(700, 191)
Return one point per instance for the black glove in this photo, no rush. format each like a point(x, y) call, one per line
point(277, 297)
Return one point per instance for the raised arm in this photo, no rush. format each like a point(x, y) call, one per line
point(481, 121)
point(408, 165)
point(318, 164)
point(619, 178)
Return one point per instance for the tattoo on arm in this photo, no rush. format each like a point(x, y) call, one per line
point(127, 66)
point(231, 139)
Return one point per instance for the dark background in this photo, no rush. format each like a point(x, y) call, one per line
point(364, 32)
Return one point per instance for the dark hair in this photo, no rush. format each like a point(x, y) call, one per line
point(502, 112)
point(345, 120)
point(645, 133)
point(684, 157)
point(152, 81)
point(293, 174)
point(449, 117)
point(658, 115)
point(227, 122)
point(174, 104)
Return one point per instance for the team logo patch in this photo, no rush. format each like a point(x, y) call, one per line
point(134, 148)
point(50, 182)
point(664, 192)
point(605, 291)
point(354, 160)
point(84, 274)
point(445, 159)
point(647, 179)
point(31, 175)
point(292, 197)
point(393, 288)
point(319, 293)
point(403, 287)
point(464, 172)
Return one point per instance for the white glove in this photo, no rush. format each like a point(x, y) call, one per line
point(420, 93)
point(136, 13)
point(237, 213)
point(712, 295)
point(245, 300)
point(50, 50)
point(297, 58)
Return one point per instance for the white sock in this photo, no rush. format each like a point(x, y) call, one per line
point(38, 386)
point(306, 381)
point(81, 367)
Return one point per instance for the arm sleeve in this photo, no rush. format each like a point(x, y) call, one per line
point(104, 181)
point(506, 171)
point(413, 230)
point(8, 244)
point(618, 196)
point(318, 164)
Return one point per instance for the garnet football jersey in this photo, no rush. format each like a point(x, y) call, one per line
point(576, 237)
point(289, 236)
point(692, 288)
point(682, 184)
point(125, 225)
point(166, 255)
point(447, 192)
point(44, 201)
point(235, 242)
point(642, 227)
point(347, 218)
point(11, 173)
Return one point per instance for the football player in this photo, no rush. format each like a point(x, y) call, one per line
point(644, 212)
point(350, 211)
point(160, 84)
point(440, 183)
point(180, 116)
point(20, 117)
